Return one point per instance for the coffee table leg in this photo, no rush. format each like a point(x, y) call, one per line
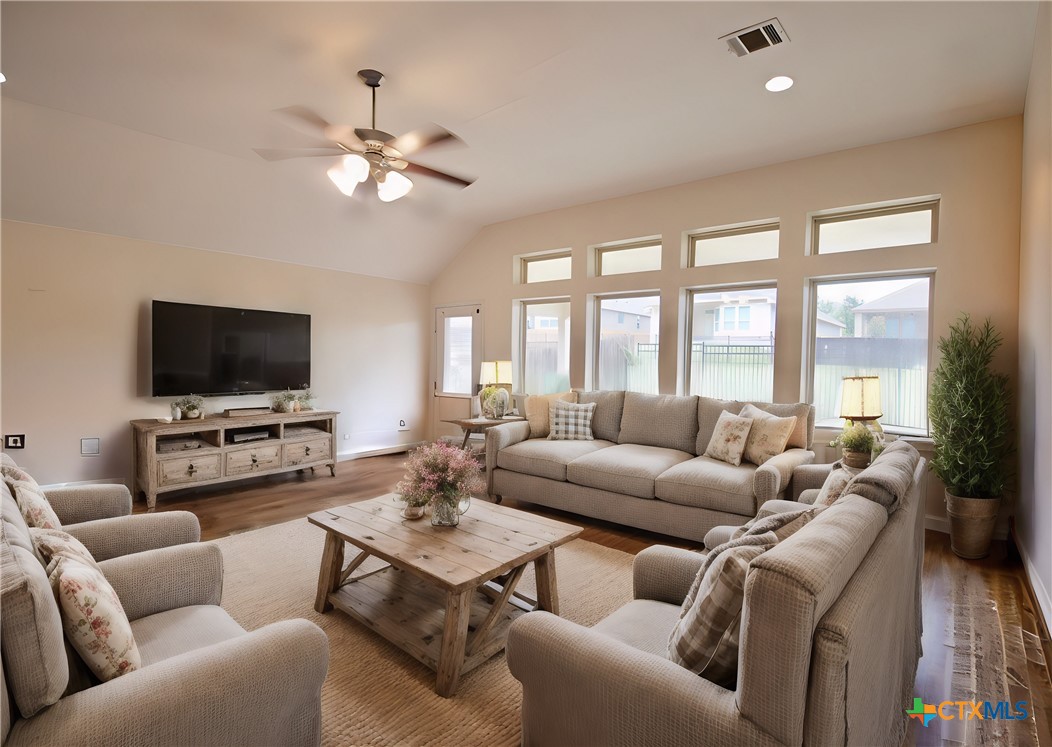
point(467, 435)
point(547, 588)
point(454, 639)
point(329, 575)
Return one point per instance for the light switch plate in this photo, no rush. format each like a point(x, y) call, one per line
point(15, 441)
point(90, 446)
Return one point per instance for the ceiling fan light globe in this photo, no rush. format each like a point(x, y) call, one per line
point(351, 171)
point(393, 187)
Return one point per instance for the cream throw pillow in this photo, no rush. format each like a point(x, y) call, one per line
point(728, 438)
point(537, 411)
point(768, 436)
point(34, 506)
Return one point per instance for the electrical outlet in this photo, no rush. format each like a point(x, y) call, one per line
point(403, 424)
point(346, 436)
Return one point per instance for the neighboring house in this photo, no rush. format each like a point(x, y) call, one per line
point(746, 316)
point(900, 314)
point(827, 325)
point(629, 316)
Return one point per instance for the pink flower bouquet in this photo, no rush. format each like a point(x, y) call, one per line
point(437, 472)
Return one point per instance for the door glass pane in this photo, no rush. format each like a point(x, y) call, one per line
point(546, 358)
point(456, 355)
point(732, 344)
point(628, 343)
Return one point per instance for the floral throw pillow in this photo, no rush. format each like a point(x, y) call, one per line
point(12, 473)
point(93, 618)
point(728, 438)
point(768, 436)
point(34, 506)
point(54, 543)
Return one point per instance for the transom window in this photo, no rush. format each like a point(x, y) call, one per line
point(643, 256)
point(542, 268)
point(724, 246)
point(874, 228)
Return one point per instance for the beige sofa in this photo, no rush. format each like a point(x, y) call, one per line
point(830, 639)
point(646, 467)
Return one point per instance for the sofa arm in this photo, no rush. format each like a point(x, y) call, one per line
point(124, 535)
point(261, 688)
point(76, 503)
point(499, 437)
point(580, 687)
point(779, 506)
point(809, 477)
point(166, 579)
point(664, 574)
point(774, 475)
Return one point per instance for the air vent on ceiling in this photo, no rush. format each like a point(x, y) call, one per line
point(754, 38)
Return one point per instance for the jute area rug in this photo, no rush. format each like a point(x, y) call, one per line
point(374, 693)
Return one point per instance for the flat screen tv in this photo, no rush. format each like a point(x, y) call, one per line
point(212, 350)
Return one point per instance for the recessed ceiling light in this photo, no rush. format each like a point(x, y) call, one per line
point(779, 83)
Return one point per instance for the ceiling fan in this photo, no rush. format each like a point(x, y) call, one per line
point(366, 151)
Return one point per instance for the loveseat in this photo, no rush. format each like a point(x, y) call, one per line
point(829, 643)
point(646, 466)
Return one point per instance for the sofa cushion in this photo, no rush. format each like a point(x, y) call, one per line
point(570, 421)
point(537, 408)
point(609, 406)
point(768, 435)
point(543, 458)
point(643, 624)
point(627, 468)
point(34, 652)
point(179, 631)
point(729, 438)
point(709, 483)
point(660, 420)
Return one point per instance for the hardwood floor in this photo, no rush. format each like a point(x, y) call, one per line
point(983, 638)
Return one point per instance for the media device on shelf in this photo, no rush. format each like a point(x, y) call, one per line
point(214, 350)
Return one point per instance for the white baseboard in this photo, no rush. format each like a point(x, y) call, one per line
point(942, 524)
point(103, 481)
point(1044, 600)
point(348, 456)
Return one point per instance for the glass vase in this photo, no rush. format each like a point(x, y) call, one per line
point(444, 512)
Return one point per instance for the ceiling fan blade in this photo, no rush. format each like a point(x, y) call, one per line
point(411, 142)
point(415, 168)
point(282, 154)
point(346, 135)
point(304, 119)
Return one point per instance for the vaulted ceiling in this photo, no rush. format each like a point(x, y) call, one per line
point(139, 118)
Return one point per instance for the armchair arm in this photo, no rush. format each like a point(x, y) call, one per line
point(809, 477)
point(499, 437)
point(664, 574)
point(262, 688)
point(166, 579)
point(774, 475)
point(779, 506)
point(124, 535)
point(580, 687)
point(76, 503)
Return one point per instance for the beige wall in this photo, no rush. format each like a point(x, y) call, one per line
point(76, 342)
point(1034, 514)
point(975, 169)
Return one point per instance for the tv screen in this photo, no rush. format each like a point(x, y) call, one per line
point(217, 350)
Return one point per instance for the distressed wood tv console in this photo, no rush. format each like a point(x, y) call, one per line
point(204, 451)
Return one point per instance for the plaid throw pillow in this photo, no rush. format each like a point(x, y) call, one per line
point(571, 422)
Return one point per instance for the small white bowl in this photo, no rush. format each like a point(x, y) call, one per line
point(165, 420)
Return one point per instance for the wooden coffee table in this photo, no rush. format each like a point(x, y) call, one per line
point(441, 581)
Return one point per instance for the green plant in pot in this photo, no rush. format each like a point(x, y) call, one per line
point(190, 406)
point(284, 401)
point(857, 441)
point(968, 406)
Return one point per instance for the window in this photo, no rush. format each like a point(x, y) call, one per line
point(626, 345)
point(855, 230)
point(869, 327)
point(459, 335)
point(724, 246)
point(624, 258)
point(732, 343)
point(545, 342)
point(541, 268)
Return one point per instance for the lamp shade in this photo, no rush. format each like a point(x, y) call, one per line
point(394, 186)
point(351, 171)
point(495, 372)
point(860, 399)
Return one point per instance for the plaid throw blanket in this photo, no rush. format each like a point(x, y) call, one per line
point(888, 478)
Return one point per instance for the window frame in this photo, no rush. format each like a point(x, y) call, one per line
point(845, 215)
point(602, 249)
point(595, 329)
point(719, 232)
point(475, 312)
point(522, 305)
point(807, 385)
point(523, 262)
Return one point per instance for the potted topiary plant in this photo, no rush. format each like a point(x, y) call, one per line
point(857, 442)
point(306, 398)
point(190, 406)
point(284, 401)
point(968, 406)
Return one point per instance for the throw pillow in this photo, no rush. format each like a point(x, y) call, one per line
point(728, 438)
point(705, 639)
point(768, 435)
point(570, 422)
point(93, 618)
point(34, 506)
point(839, 476)
point(13, 473)
point(889, 478)
point(54, 543)
point(537, 411)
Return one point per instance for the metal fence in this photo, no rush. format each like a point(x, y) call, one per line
point(725, 371)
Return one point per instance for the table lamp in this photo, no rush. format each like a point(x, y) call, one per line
point(495, 380)
point(860, 402)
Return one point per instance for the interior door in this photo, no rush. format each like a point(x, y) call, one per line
point(458, 356)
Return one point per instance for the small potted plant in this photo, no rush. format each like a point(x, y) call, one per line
point(968, 405)
point(441, 476)
point(857, 442)
point(305, 399)
point(190, 406)
point(284, 401)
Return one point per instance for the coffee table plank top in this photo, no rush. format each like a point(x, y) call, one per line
point(489, 541)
